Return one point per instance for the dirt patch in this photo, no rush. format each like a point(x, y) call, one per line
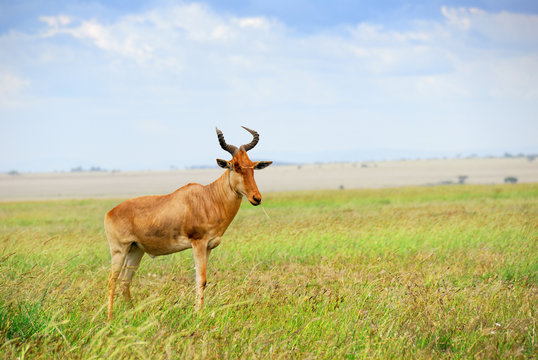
point(274, 178)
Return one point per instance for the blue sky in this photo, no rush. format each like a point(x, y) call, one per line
point(142, 84)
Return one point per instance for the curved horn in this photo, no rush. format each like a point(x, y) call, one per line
point(254, 141)
point(230, 148)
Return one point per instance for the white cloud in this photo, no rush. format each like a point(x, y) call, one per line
point(56, 21)
point(259, 23)
point(11, 84)
point(116, 38)
point(11, 87)
point(458, 17)
point(260, 61)
point(163, 35)
point(193, 38)
point(493, 29)
point(189, 66)
point(376, 34)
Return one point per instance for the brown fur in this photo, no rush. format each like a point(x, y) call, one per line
point(193, 216)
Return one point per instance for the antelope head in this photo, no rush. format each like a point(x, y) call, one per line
point(242, 168)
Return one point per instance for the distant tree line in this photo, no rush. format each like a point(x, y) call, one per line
point(529, 157)
point(92, 169)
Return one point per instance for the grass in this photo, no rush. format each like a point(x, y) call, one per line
point(425, 272)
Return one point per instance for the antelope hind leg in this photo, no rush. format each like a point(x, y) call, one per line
point(118, 257)
point(132, 261)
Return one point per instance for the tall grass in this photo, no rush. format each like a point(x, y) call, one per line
point(429, 272)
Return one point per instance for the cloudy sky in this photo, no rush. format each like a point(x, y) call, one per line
point(142, 84)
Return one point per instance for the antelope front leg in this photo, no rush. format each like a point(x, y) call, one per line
point(201, 255)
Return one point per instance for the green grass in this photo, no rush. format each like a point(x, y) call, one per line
point(425, 272)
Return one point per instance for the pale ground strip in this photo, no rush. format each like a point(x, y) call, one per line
point(275, 178)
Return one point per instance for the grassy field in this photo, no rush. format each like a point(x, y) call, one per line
point(425, 272)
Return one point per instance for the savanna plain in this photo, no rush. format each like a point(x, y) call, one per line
point(414, 272)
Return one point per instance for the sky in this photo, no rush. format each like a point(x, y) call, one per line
point(137, 85)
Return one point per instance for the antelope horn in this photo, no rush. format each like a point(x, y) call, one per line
point(230, 148)
point(254, 141)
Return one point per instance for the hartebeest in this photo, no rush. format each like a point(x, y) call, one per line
point(193, 216)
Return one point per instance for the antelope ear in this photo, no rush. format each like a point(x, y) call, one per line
point(224, 164)
point(258, 165)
